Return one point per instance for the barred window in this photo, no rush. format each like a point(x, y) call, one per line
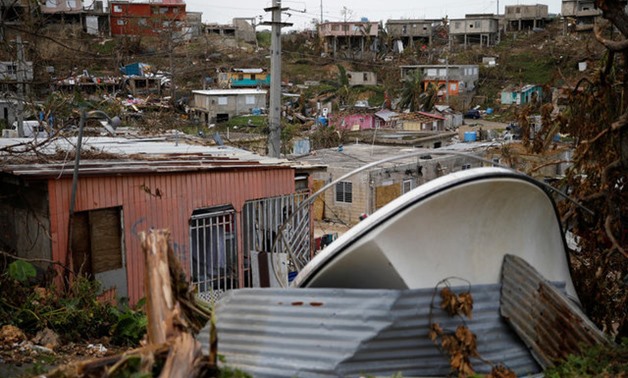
point(344, 192)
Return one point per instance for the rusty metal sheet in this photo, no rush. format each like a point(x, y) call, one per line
point(550, 323)
point(351, 332)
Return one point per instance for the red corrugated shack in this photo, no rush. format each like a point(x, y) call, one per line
point(222, 206)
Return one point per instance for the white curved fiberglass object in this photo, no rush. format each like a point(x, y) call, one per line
point(459, 225)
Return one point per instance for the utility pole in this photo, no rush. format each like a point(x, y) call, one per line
point(274, 139)
point(20, 78)
point(321, 11)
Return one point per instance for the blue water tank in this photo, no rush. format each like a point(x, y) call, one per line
point(470, 136)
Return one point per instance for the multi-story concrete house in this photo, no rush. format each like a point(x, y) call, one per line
point(474, 29)
point(146, 18)
point(526, 17)
point(412, 31)
point(580, 13)
point(348, 35)
point(241, 28)
point(452, 80)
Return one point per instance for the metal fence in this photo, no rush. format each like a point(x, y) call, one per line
point(276, 225)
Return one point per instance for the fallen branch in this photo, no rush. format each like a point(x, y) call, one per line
point(174, 317)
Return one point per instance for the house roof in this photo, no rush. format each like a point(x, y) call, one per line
point(111, 156)
point(515, 88)
point(422, 117)
point(386, 114)
point(248, 70)
point(230, 92)
point(356, 155)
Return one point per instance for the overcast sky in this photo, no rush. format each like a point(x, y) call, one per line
point(302, 12)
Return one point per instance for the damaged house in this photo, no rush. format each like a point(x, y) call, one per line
point(526, 17)
point(474, 29)
point(217, 232)
point(351, 35)
point(369, 190)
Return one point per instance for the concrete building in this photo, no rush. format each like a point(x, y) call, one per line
point(474, 29)
point(361, 78)
point(412, 32)
point(371, 189)
point(525, 17)
point(350, 35)
point(219, 105)
point(147, 18)
point(452, 80)
point(581, 14)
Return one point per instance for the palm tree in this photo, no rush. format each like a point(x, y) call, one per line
point(415, 97)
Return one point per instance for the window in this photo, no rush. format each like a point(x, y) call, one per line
point(154, 10)
point(71, 4)
point(408, 185)
point(335, 27)
point(365, 76)
point(117, 9)
point(240, 77)
point(223, 100)
point(97, 240)
point(250, 100)
point(344, 192)
point(345, 28)
point(495, 162)
point(457, 25)
point(253, 77)
point(11, 69)
point(163, 10)
point(142, 22)
point(466, 166)
point(120, 22)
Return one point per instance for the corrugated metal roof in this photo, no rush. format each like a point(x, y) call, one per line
point(351, 332)
point(547, 321)
point(356, 155)
point(229, 92)
point(104, 155)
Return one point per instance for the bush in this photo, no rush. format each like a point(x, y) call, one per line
point(74, 314)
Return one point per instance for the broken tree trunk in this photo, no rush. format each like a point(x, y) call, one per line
point(174, 317)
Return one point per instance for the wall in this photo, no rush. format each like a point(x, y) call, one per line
point(374, 188)
point(159, 201)
point(473, 26)
point(409, 28)
point(353, 122)
point(24, 220)
point(236, 104)
point(361, 78)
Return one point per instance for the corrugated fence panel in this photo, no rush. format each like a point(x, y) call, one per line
point(350, 332)
point(164, 200)
point(548, 322)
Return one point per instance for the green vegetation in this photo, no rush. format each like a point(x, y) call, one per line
point(75, 314)
point(599, 361)
point(245, 124)
point(263, 38)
